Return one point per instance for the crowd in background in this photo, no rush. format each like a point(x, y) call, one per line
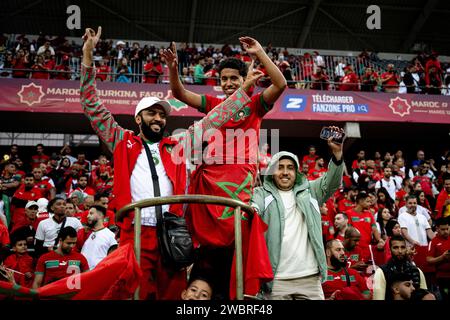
point(379, 185)
point(58, 58)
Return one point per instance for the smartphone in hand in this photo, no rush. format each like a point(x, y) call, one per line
point(327, 132)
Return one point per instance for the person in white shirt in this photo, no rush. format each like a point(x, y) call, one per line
point(415, 227)
point(45, 47)
point(391, 184)
point(48, 229)
point(100, 241)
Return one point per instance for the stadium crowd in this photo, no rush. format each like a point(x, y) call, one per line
point(375, 227)
point(57, 58)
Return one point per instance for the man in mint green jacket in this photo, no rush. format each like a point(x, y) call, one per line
point(289, 204)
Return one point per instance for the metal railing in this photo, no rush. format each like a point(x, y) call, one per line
point(202, 199)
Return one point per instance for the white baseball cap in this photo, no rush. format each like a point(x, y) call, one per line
point(31, 203)
point(147, 102)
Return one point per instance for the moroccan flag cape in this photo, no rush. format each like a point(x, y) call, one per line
point(115, 278)
point(256, 262)
point(213, 225)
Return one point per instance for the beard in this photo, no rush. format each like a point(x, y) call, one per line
point(151, 135)
point(91, 224)
point(338, 263)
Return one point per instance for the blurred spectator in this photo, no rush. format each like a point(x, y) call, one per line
point(433, 80)
point(287, 73)
point(320, 80)
point(442, 208)
point(211, 74)
point(340, 226)
point(369, 80)
point(350, 81)
point(318, 61)
point(20, 261)
point(390, 79)
point(198, 71)
point(412, 80)
point(45, 47)
point(21, 61)
point(64, 68)
point(40, 69)
point(152, 70)
point(123, 71)
point(103, 71)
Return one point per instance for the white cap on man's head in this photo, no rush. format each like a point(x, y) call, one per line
point(31, 203)
point(148, 102)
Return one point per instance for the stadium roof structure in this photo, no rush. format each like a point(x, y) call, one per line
point(320, 24)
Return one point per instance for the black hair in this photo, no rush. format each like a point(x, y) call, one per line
point(380, 221)
point(40, 145)
point(52, 202)
point(419, 294)
point(411, 196)
point(362, 196)
point(441, 221)
point(29, 175)
point(395, 238)
point(233, 63)
point(67, 232)
point(390, 226)
point(99, 208)
point(100, 195)
point(18, 235)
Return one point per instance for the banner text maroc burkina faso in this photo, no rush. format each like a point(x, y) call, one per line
point(121, 98)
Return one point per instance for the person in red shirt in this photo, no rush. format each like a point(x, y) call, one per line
point(61, 263)
point(26, 192)
point(350, 81)
point(103, 71)
point(364, 222)
point(82, 186)
point(318, 170)
point(349, 200)
point(327, 226)
point(211, 75)
point(152, 70)
point(102, 179)
point(320, 80)
point(425, 181)
point(21, 62)
point(310, 158)
point(64, 68)
point(390, 79)
point(20, 260)
point(47, 189)
point(39, 157)
point(340, 226)
point(208, 179)
point(342, 283)
point(353, 250)
point(29, 219)
point(40, 69)
point(442, 208)
point(439, 256)
point(4, 237)
point(359, 156)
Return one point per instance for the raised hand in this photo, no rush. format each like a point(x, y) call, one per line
point(251, 45)
point(336, 148)
point(91, 39)
point(171, 57)
point(253, 76)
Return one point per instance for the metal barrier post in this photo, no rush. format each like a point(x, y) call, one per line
point(238, 243)
point(137, 241)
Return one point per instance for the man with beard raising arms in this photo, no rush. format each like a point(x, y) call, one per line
point(99, 241)
point(133, 179)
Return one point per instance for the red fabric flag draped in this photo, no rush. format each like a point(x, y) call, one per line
point(115, 278)
point(256, 262)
